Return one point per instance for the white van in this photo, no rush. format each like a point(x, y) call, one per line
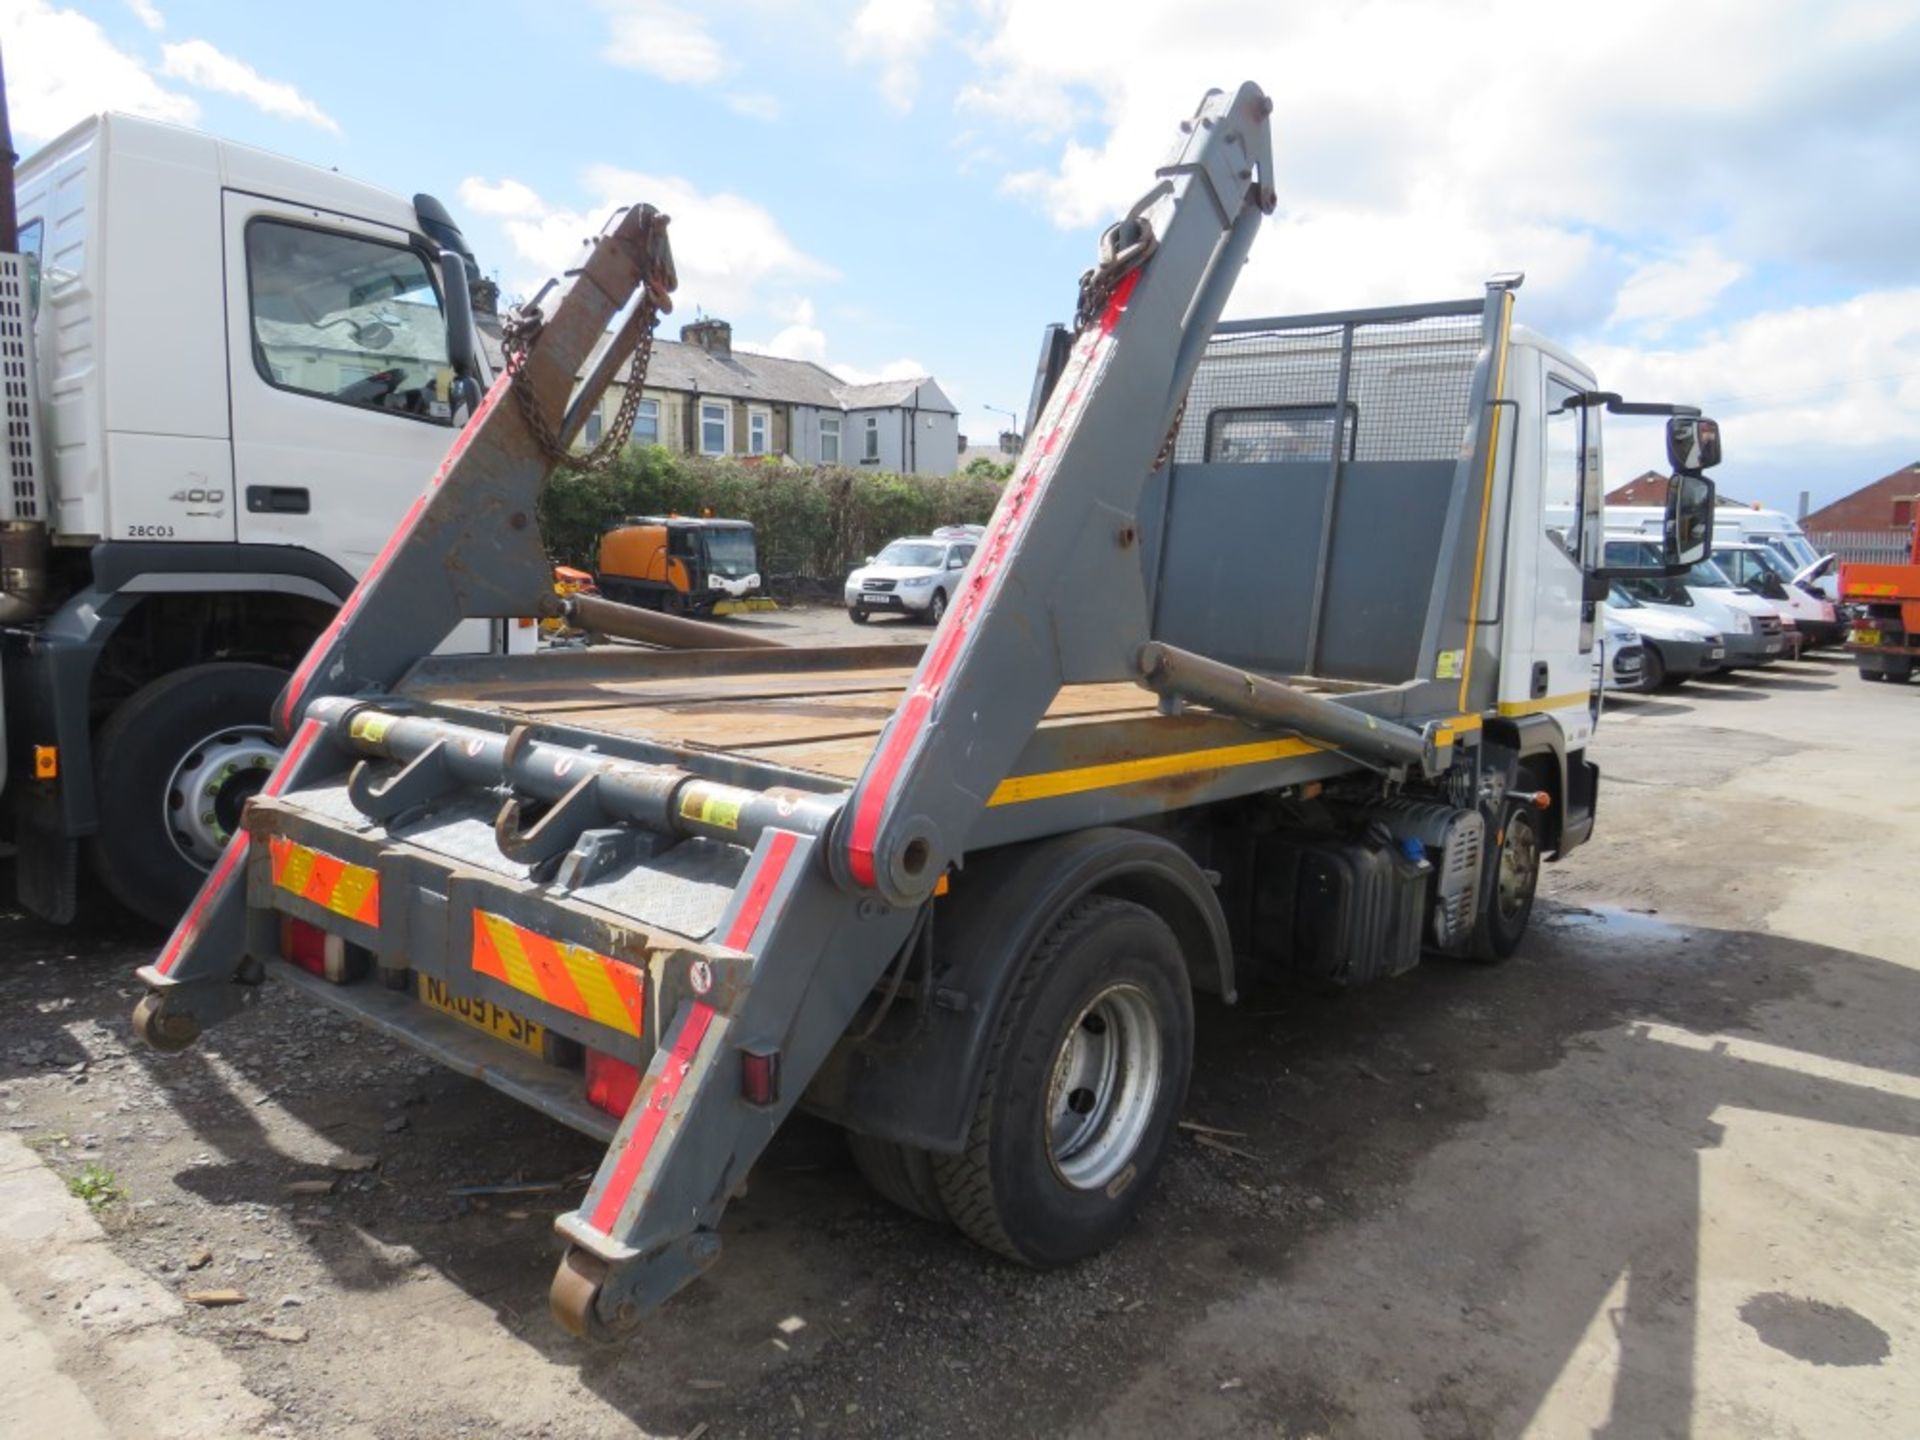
point(1754, 631)
point(1732, 524)
point(1761, 569)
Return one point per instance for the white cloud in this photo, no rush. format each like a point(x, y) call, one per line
point(895, 35)
point(726, 248)
point(199, 63)
point(663, 40)
point(61, 68)
point(1678, 287)
point(1401, 156)
point(803, 339)
point(754, 106)
point(501, 198)
point(147, 14)
point(1802, 381)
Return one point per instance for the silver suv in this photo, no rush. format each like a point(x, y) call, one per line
point(914, 576)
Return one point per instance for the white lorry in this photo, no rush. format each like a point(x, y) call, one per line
point(228, 376)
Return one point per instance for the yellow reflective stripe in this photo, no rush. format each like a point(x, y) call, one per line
point(1550, 702)
point(295, 869)
point(589, 972)
point(351, 889)
point(513, 955)
point(1017, 789)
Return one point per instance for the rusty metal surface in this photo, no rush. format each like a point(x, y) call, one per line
point(652, 627)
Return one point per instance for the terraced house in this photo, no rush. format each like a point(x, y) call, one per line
point(702, 397)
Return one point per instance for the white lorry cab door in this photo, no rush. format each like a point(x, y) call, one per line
point(1564, 534)
point(338, 367)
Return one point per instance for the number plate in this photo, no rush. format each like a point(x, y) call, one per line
point(496, 1020)
point(1866, 637)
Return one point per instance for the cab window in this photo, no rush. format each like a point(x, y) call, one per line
point(1562, 468)
point(347, 319)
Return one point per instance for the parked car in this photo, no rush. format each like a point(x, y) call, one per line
point(913, 576)
point(1622, 657)
point(1677, 644)
point(1754, 631)
point(1763, 570)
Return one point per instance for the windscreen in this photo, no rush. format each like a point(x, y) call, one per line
point(915, 553)
point(730, 551)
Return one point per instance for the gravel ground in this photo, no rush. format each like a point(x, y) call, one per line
point(1528, 1199)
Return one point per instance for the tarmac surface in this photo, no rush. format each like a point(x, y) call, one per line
point(1654, 1177)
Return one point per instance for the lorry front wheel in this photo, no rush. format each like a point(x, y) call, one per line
point(174, 767)
point(1083, 1086)
point(1507, 902)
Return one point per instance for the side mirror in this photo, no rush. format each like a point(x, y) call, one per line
point(1693, 443)
point(1689, 520)
point(459, 306)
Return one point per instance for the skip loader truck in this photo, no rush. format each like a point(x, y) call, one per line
point(958, 904)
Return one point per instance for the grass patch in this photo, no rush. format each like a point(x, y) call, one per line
point(95, 1185)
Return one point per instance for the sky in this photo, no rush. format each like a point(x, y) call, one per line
point(1715, 202)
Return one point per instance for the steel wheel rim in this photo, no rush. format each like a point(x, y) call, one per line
point(1519, 862)
point(1107, 1075)
point(210, 786)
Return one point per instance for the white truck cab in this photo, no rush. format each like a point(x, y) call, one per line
point(245, 368)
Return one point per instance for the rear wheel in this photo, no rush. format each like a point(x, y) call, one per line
point(1084, 1083)
point(174, 768)
point(901, 1173)
point(1507, 901)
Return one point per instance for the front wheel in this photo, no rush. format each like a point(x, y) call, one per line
point(174, 768)
point(857, 614)
point(937, 607)
point(1507, 903)
point(1653, 672)
point(1084, 1083)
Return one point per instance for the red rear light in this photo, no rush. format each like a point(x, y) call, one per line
point(760, 1076)
point(303, 944)
point(611, 1084)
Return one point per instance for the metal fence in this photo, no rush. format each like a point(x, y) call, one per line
point(1864, 547)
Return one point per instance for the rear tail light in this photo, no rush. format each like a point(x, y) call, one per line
point(315, 951)
point(611, 1084)
point(760, 1076)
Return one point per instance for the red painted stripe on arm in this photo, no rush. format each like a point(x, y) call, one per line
point(981, 580)
point(766, 879)
point(647, 1124)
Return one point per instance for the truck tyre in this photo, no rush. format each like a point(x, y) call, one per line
point(173, 767)
point(902, 1174)
point(1507, 902)
point(1084, 1082)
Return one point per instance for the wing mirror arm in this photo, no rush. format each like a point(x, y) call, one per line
point(1693, 448)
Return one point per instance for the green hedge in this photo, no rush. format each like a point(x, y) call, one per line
point(813, 524)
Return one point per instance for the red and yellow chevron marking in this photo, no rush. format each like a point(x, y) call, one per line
point(581, 981)
point(329, 882)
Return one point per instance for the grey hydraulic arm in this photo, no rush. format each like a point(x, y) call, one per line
point(1056, 593)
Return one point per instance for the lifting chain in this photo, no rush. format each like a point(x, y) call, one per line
point(1124, 248)
point(517, 335)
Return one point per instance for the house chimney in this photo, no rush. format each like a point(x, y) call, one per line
point(713, 336)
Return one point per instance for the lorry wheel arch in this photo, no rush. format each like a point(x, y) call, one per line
point(922, 1094)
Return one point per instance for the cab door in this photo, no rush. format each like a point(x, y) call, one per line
point(1560, 670)
point(338, 370)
